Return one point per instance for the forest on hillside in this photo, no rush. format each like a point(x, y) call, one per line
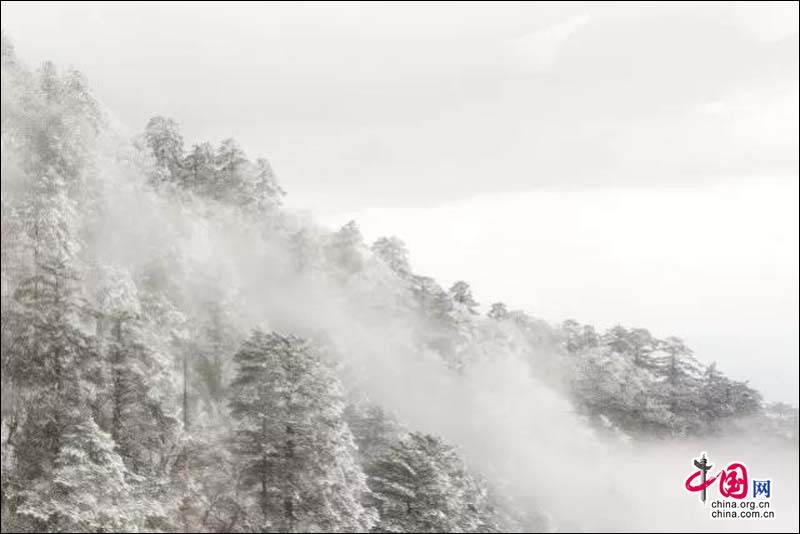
point(182, 353)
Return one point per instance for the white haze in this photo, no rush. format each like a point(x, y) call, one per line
point(716, 265)
point(513, 425)
point(671, 174)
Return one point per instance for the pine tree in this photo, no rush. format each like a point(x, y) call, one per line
point(461, 294)
point(746, 400)
point(231, 183)
point(421, 485)
point(88, 489)
point(642, 346)
point(55, 366)
point(264, 194)
point(498, 311)
point(375, 431)
point(682, 375)
point(590, 337)
point(572, 335)
point(345, 248)
point(617, 339)
point(200, 169)
point(144, 422)
point(393, 252)
point(164, 139)
point(715, 394)
point(297, 454)
point(431, 299)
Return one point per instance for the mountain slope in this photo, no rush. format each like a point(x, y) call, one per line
point(181, 352)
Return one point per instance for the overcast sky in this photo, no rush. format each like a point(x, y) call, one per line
point(607, 162)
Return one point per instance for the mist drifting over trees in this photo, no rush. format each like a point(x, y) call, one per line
point(181, 353)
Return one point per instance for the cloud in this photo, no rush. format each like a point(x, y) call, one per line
point(767, 22)
point(540, 48)
point(747, 130)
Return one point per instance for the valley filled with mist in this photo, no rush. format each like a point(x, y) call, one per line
point(183, 353)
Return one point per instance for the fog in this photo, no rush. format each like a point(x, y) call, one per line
point(591, 118)
point(513, 424)
point(716, 265)
point(509, 410)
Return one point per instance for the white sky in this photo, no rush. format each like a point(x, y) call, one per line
point(607, 162)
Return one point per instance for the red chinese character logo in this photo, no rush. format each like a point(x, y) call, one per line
point(731, 484)
point(732, 480)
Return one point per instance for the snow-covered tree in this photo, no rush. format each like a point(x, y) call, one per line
point(164, 139)
point(231, 182)
point(264, 194)
point(393, 252)
point(346, 247)
point(89, 488)
point(200, 169)
point(461, 293)
point(109, 341)
point(421, 485)
point(681, 373)
point(296, 452)
point(498, 311)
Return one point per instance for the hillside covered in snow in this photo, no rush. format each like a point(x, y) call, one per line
point(182, 353)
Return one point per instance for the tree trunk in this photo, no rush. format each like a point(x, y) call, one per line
point(116, 415)
point(185, 394)
point(264, 501)
point(288, 499)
